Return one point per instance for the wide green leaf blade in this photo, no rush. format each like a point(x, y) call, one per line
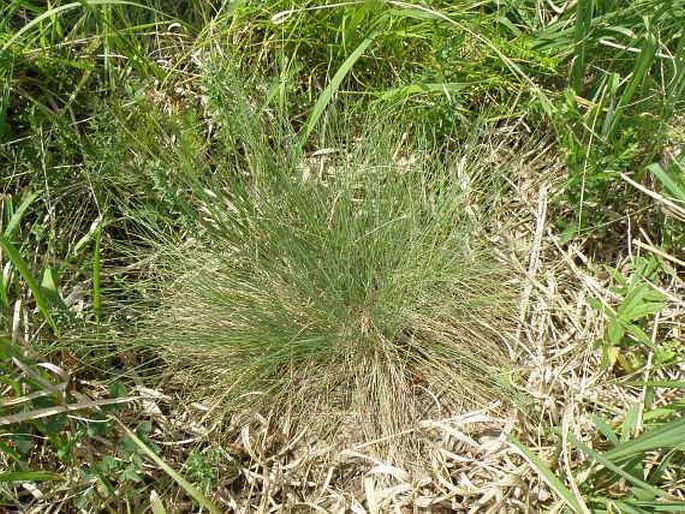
point(23, 268)
point(676, 190)
point(332, 88)
point(30, 476)
point(670, 435)
point(549, 477)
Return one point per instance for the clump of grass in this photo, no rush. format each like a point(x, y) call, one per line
point(362, 290)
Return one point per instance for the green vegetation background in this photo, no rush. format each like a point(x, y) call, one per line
point(105, 124)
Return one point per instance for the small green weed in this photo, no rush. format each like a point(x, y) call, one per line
point(626, 337)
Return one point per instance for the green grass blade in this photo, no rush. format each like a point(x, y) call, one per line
point(677, 86)
point(642, 66)
point(23, 268)
point(182, 482)
point(4, 287)
point(30, 476)
point(676, 190)
point(402, 92)
point(97, 265)
point(669, 507)
point(601, 459)
point(620, 506)
point(52, 13)
point(605, 429)
point(327, 94)
point(549, 477)
point(38, 20)
point(672, 384)
point(14, 221)
point(6, 73)
point(584, 10)
point(670, 435)
point(630, 422)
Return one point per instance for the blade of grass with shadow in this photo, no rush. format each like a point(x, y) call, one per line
point(583, 25)
point(23, 268)
point(670, 435)
point(549, 477)
point(325, 97)
point(640, 70)
point(618, 471)
point(30, 476)
point(192, 491)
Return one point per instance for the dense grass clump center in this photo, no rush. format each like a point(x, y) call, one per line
point(361, 289)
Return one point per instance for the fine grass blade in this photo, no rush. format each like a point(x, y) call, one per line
point(583, 23)
point(400, 93)
point(667, 507)
point(6, 72)
point(97, 264)
point(677, 85)
point(549, 477)
point(325, 97)
point(23, 268)
point(672, 384)
point(38, 21)
point(182, 482)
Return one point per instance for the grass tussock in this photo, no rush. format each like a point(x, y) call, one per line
point(362, 290)
point(483, 314)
